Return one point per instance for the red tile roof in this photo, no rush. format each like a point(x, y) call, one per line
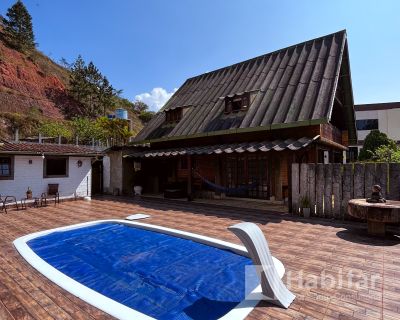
point(46, 148)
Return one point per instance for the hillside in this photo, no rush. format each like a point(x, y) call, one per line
point(34, 86)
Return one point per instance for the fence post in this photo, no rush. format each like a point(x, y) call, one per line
point(320, 191)
point(303, 180)
point(347, 187)
point(328, 191)
point(295, 187)
point(394, 181)
point(382, 177)
point(311, 186)
point(359, 181)
point(369, 178)
point(337, 189)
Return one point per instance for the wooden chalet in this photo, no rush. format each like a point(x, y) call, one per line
point(239, 128)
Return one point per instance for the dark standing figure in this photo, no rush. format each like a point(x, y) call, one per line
point(376, 196)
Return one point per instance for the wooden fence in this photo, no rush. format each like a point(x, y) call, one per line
point(329, 187)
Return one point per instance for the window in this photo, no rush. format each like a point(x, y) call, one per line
point(6, 168)
point(55, 167)
point(173, 116)
point(367, 124)
point(236, 103)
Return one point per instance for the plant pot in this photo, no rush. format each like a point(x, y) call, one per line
point(306, 212)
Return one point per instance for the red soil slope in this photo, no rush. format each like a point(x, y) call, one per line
point(32, 81)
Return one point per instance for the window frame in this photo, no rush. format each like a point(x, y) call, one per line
point(46, 176)
point(11, 175)
point(174, 115)
point(243, 99)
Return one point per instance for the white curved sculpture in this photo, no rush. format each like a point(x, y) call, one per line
point(273, 289)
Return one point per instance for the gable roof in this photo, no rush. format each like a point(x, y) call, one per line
point(289, 87)
point(11, 147)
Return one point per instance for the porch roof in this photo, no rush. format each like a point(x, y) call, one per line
point(264, 146)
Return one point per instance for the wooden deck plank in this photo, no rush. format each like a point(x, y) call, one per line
point(311, 246)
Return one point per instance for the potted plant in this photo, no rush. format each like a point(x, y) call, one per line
point(29, 193)
point(305, 206)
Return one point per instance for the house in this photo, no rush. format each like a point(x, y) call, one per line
point(36, 165)
point(384, 117)
point(235, 131)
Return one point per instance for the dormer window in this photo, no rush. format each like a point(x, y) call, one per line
point(237, 103)
point(174, 115)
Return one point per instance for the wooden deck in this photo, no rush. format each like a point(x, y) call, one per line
point(310, 250)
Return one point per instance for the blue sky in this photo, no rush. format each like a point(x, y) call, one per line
point(145, 44)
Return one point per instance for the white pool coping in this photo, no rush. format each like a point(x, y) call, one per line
point(113, 307)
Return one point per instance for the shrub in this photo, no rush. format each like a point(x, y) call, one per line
point(373, 141)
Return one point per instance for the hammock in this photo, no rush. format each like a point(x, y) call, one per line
point(222, 189)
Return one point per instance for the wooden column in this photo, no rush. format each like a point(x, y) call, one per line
point(290, 182)
point(189, 179)
point(217, 168)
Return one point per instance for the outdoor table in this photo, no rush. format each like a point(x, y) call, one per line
point(376, 214)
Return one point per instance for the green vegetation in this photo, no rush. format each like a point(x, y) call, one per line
point(55, 129)
point(387, 154)
point(28, 123)
point(374, 140)
point(91, 89)
point(108, 131)
point(88, 97)
point(18, 28)
point(143, 109)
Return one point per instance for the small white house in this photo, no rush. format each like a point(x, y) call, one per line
point(36, 165)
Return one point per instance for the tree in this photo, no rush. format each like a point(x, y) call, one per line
point(387, 154)
point(18, 27)
point(140, 106)
point(89, 87)
point(114, 131)
point(146, 116)
point(373, 141)
point(85, 129)
point(55, 129)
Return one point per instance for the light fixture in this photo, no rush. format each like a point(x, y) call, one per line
point(42, 155)
point(79, 163)
point(30, 161)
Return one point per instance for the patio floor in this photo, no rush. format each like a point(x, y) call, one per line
point(320, 257)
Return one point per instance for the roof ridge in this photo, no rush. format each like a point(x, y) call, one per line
point(268, 53)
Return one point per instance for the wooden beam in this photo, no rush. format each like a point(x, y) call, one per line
point(189, 178)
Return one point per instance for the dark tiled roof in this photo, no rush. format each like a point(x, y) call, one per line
point(377, 106)
point(295, 84)
point(46, 148)
point(264, 146)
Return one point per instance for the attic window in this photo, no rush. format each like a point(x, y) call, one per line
point(173, 116)
point(237, 103)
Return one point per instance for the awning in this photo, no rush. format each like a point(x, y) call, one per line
point(265, 146)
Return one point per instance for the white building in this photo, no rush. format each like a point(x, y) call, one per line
point(36, 165)
point(382, 116)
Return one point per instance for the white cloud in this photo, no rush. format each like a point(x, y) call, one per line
point(156, 98)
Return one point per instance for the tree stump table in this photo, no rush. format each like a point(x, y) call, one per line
point(376, 214)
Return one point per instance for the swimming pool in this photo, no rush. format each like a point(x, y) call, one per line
point(134, 270)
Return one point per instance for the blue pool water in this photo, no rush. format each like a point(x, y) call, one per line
point(162, 276)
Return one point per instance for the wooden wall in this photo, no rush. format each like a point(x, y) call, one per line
point(330, 186)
